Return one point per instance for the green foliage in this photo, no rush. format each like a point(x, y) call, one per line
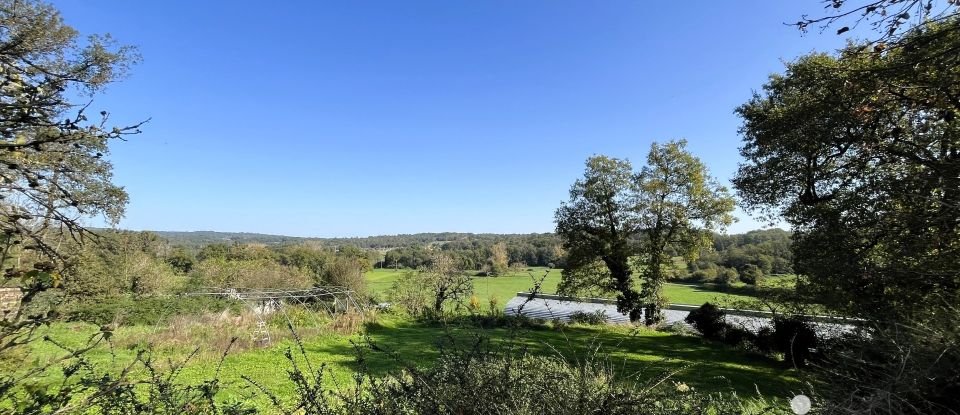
point(51, 150)
point(499, 259)
point(476, 251)
point(615, 215)
point(507, 286)
point(796, 338)
point(587, 280)
point(751, 274)
point(247, 273)
point(311, 260)
point(867, 177)
point(793, 336)
point(92, 388)
point(708, 320)
point(181, 260)
point(600, 222)
point(120, 263)
point(428, 291)
point(346, 272)
point(581, 317)
point(728, 276)
point(53, 164)
point(214, 251)
point(681, 205)
point(149, 311)
point(639, 355)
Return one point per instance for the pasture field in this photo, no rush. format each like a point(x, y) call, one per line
point(507, 286)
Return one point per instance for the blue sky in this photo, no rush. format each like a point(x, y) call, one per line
point(380, 117)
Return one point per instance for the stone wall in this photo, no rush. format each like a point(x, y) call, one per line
point(9, 301)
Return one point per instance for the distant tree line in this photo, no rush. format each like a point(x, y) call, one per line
point(484, 253)
point(747, 257)
point(198, 239)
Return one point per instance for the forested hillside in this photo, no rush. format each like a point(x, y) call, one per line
point(200, 238)
point(730, 258)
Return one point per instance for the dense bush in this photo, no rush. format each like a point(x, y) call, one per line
point(728, 276)
point(581, 317)
point(431, 292)
point(704, 275)
point(143, 311)
point(738, 336)
point(248, 273)
point(793, 336)
point(751, 274)
point(708, 320)
point(763, 342)
point(796, 338)
point(345, 272)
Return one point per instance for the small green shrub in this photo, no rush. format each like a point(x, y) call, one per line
point(594, 318)
point(727, 276)
point(751, 274)
point(764, 342)
point(704, 275)
point(796, 338)
point(738, 336)
point(708, 320)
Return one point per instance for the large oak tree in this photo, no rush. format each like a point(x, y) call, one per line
point(617, 218)
point(860, 153)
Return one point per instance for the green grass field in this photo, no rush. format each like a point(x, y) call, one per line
point(507, 286)
point(636, 353)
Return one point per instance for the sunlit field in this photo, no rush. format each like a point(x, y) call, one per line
point(505, 287)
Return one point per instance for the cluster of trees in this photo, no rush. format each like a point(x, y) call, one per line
point(487, 253)
point(745, 257)
point(142, 264)
point(722, 258)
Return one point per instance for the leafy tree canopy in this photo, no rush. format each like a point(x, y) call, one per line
point(860, 153)
point(615, 215)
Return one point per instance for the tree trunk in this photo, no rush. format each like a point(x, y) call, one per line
point(628, 300)
point(438, 301)
point(652, 289)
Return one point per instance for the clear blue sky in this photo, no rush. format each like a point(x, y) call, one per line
point(357, 118)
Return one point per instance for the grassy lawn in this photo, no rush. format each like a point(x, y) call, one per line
point(636, 353)
point(505, 287)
